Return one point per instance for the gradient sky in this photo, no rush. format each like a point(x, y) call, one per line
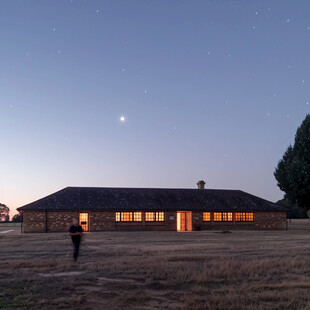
point(210, 90)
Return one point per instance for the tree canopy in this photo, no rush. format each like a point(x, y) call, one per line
point(4, 212)
point(17, 218)
point(293, 170)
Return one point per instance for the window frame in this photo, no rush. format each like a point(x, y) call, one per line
point(158, 216)
point(226, 218)
point(125, 217)
point(246, 217)
point(215, 218)
point(204, 217)
point(251, 218)
point(140, 216)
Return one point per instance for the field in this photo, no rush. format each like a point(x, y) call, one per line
point(158, 270)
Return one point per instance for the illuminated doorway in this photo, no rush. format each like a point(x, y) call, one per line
point(184, 221)
point(84, 221)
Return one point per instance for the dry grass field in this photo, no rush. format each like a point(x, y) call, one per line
point(157, 270)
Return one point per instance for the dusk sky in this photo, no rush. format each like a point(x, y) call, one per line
point(149, 93)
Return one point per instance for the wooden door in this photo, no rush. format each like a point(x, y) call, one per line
point(183, 221)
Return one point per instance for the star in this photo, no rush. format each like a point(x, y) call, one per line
point(122, 119)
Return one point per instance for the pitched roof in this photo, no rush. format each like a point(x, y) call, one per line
point(148, 199)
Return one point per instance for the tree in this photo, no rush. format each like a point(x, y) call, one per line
point(293, 211)
point(17, 218)
point(293, 170)
point(4, 212)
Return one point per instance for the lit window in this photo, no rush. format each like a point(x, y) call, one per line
point(160, 216)
point(227, 216)
point(240, 217)
point(217, 216)
point(126, 216)
point(149, 216)
point(84, 221)
point(117, 216)
point(206, 216)
point(249, 217)
point(154, 216)
point(137, 216)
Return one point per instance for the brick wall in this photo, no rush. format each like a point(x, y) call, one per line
point(262, 220)
point(170, 223)
point(60, 221)
point(34, 222)
point(101, 221)
point(270, 220)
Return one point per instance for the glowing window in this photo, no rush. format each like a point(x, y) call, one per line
point(149, 216)
point(240, 217)
point(227, 216)
point(154, 216)
point(117, 216)
point(84, 221)
point(217, 216)
point(137, 216)
point(206, 216)
point(126, 216)
point(160, 216)
point(249, 217)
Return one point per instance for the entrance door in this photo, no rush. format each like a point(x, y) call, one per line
point(184, 221)
point(84, 221)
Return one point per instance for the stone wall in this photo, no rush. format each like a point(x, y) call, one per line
point(34, 221)
point(101, 221)
point(262, 220)
point(60, 221)
point(170, 223)
point(270, 220)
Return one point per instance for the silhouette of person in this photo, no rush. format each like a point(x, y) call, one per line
point(76, 232)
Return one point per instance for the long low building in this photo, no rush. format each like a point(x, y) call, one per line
point(114, 209)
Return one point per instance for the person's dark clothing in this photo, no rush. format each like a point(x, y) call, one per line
point(76, 229)
point(76, 246)
point(76, 240)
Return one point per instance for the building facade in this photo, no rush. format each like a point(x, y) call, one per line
point(147, 209)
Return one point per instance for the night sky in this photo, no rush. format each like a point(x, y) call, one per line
point(149, 93)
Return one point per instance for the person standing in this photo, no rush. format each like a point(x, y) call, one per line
point(76, 232)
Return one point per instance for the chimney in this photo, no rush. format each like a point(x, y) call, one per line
point(201, 184)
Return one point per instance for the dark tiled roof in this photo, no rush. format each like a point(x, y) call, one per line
point(122, 199)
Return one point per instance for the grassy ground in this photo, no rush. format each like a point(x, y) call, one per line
point(157, 270)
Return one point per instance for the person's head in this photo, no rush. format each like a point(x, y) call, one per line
point(75, 221)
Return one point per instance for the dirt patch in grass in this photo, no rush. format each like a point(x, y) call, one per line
point(157, 270)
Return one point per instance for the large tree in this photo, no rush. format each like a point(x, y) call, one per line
point(293, 170)
point(4, 212)
point(17, 218)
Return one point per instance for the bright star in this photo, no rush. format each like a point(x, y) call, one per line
point(122, 119)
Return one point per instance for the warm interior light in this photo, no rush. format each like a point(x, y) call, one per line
point(84, 221)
